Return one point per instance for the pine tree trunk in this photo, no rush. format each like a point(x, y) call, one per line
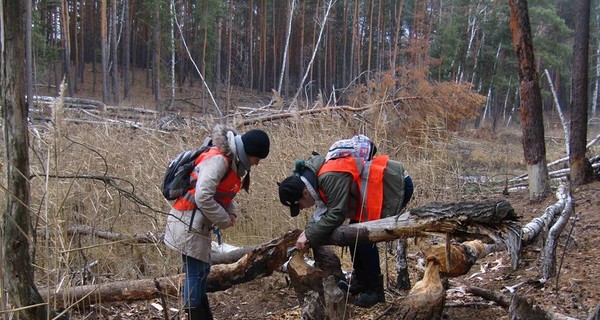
point(534, 146)
point(29, 56)
point(66, 39)
point(104, 48)
point(126, 49)
point(581, 168)
point(114, 70)
point(156, 57)
point(18, 278)
point(250, 40)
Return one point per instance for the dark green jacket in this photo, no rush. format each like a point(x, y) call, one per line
point(341, 194)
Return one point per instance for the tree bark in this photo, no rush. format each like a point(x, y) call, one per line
point(435, 217)
point(18, 277)
point(104, 48)
point(534, 147)
point(126, 48)
point(258, 263)
point(114, 70)
point(581, 169)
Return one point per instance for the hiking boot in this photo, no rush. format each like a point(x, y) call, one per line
point(206, 308)
point(373, 295)
point(201, 312)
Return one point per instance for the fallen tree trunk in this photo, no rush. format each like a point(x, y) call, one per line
point(465, 217)
point(449, 218)
point(260, 262)
point(518, 307)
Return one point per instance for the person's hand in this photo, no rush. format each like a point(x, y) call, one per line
point(302, 242)
point(233, 219)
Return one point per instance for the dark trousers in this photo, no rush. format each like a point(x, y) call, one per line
point(409, 189)
point(365, 260)
point(365, 256)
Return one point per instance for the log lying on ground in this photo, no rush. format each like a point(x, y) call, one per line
point(449, 218)
point(518, 307)
point(463, 217)
point(260, 262)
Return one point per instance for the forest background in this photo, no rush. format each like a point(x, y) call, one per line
point(416, 76)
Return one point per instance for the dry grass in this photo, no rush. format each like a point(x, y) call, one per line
point(132, 162)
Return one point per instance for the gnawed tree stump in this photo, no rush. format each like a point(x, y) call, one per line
point(457, 258)
point(304, 278)
point(426, 299)
point(317, 290)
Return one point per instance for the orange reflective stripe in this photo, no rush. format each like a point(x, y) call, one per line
point(373, 185)
point(226, 190)
point(349, 165)
point(374, 201)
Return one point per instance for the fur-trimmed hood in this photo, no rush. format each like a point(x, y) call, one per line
point(222, 139)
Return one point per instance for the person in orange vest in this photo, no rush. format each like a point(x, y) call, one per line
point(219, 174)
point(348, 188)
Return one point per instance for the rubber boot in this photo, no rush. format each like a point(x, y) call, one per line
point(206, 308)
point(373, 295)
point(195, 313)
point(353, 286)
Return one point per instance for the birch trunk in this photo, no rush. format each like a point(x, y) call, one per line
point(329, 5)
point(288, 34)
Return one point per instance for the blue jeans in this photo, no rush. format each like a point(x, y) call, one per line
point(196, 281)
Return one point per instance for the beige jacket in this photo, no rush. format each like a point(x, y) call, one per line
point(196, 241)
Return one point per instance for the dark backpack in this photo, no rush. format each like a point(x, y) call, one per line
point(176, 181)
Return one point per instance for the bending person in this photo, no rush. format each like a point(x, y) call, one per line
point(348, 188)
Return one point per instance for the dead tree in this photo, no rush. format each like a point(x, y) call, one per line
point(260, 262)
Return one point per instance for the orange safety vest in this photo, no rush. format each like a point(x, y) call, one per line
point(373, 183)
point(226, 190)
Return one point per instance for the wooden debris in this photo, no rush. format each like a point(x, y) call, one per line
point(260, 262)
point(427, 297)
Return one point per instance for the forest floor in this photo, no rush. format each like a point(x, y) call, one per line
point(573, 293)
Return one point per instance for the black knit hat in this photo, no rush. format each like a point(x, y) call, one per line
point(290, 192)
point(256, 143)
